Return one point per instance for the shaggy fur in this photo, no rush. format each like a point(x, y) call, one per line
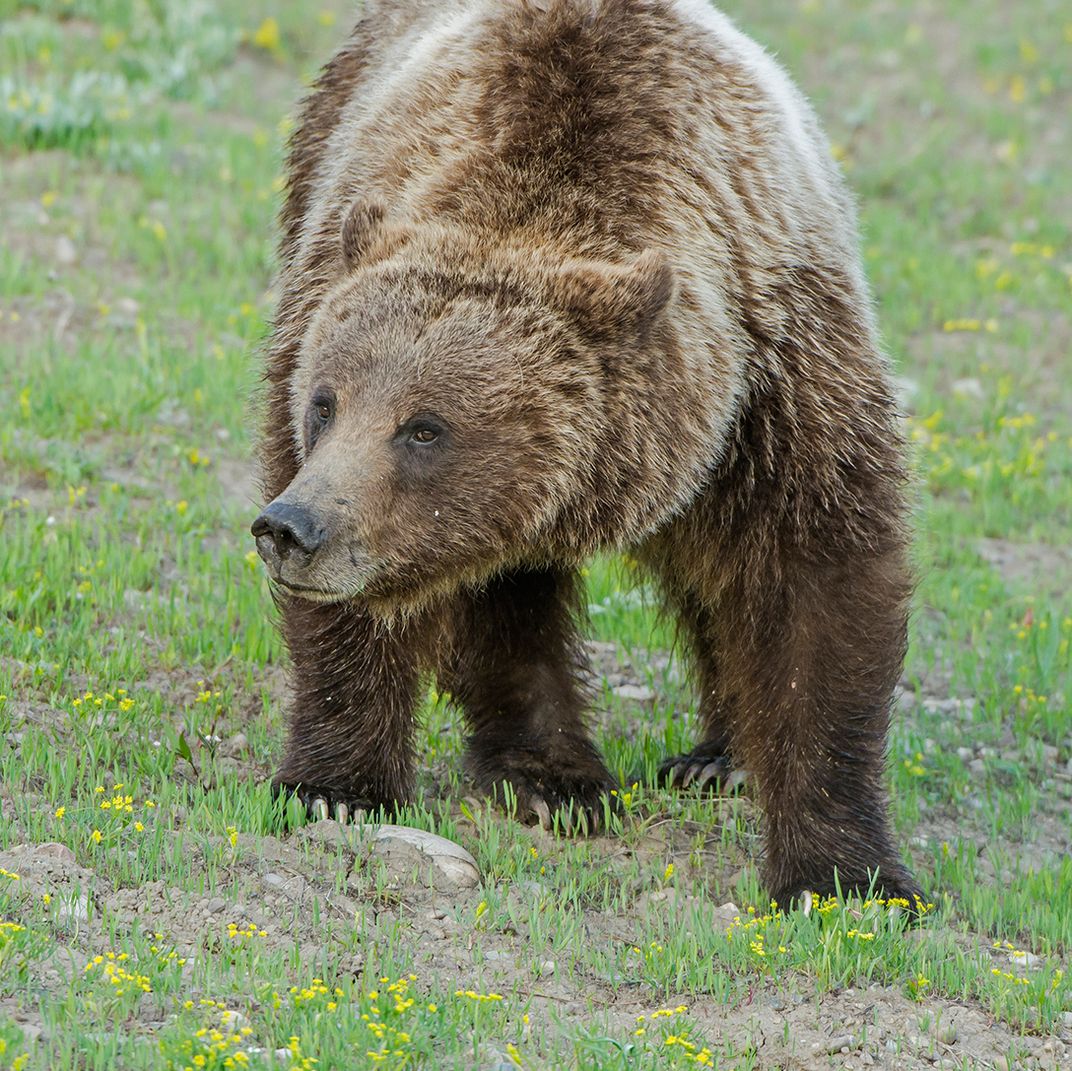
point(561, 276)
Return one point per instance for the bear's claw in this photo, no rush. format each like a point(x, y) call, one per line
point(706, 769)
point(324, 803)
point(575, 806)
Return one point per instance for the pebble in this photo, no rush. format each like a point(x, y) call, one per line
point(1026, 960)
point(843, 1042)
point(637, 692)
point(233, 1020)
point(66, 253)
point(74, 910)
point(237, 745)
point(54, 850)
point(968, 388)
point(215, 905)
point(294, 887)
point(946, 1034)
point(440, 861)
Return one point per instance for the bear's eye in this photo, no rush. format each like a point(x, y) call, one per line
point(322, 407)
point(423, 431)
point(318, 416)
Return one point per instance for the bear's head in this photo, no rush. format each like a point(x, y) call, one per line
point(448, 403)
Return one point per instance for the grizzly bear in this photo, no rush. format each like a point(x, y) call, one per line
point(561, 277)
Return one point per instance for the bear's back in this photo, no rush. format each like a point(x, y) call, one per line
point(597, 125)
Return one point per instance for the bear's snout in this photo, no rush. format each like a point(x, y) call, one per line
point(287, 533)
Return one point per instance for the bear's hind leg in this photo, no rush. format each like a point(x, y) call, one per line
point(514, 666)
point(709, 765)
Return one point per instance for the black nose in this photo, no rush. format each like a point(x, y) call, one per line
point(289, 528)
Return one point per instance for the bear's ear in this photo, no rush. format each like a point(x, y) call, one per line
point(615, 297)
point(359, 230)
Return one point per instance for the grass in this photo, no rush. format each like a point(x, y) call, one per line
point(140, 683)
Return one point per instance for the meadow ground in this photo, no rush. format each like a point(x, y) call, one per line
point(156, 913)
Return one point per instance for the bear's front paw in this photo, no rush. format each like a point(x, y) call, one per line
point(578, 804)
point(707, 767)
point(321, 802)
point(573, 797)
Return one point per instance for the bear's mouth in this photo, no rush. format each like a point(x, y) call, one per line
point(314, 594)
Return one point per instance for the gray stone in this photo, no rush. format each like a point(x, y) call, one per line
point(842, 1041)
point(293, 887)
point(637, 692)
point(54, 850)
point(439, 861)
point(947, 1034)
point(74, 909)
point(66, 253)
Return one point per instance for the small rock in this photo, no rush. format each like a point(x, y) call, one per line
point(841, 1042)
point(74, 910)
point(439, 860)
point(965, 753)
point(659, 895)
point(233, 1020)
point(1001, 1063)
point(892, 1046)
point(215, 905)
point(946, 1034)
point(54, 850)
point(547, 967)
point(236, 746)
point(294, 887)
point(1025, 960)
point(344, 905)
point(968, 388)
point(637, 692)
point(66, 253)
point(533, 888)
point(127, 306)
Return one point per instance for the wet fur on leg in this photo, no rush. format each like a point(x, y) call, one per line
point(515, 669)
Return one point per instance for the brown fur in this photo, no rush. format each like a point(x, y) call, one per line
point(599, 248)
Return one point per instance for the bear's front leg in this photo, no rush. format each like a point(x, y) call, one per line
point(354, 685)
point(515, 667)
point(808, 654)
